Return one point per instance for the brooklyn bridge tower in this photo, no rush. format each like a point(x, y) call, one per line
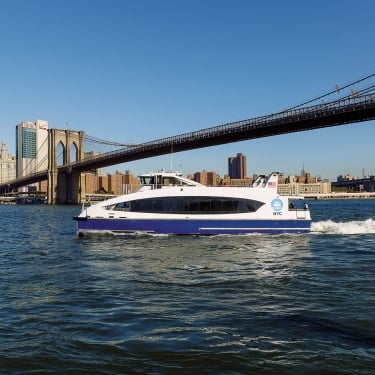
point(64, 184)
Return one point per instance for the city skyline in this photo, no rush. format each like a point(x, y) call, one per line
point(140, 71)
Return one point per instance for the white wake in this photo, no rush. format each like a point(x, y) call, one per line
point(349, 227)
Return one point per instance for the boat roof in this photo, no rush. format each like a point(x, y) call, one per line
point(161, 176)
point(161, 172)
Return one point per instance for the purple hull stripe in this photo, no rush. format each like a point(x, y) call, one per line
point(190, 226)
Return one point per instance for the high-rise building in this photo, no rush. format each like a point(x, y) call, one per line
point(237, 166)
point(7, 164)
point(31, 147)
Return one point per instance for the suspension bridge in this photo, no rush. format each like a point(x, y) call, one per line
point(351, 103)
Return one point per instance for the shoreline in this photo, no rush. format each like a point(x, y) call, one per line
point(363, 195)
point(320, 196)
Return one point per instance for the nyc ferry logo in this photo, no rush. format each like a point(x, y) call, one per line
point(277, 206)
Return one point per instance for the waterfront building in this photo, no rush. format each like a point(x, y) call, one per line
point(117, 184)
point(347, 177)
point(43, 186)
point(103, 184)
point(131, 183)
point(201, 177)
point(291, 185)
point(31, 149)
point(241, 182)
point(207, 178)
point(213, 179)
point(237, 168)
point(302, 185)
point(7, 164)
point(225, 181)
point(92, 154)
point(124, 183)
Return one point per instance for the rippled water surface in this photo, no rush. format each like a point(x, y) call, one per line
point(262, 304)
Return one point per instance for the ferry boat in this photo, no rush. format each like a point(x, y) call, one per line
point(168, 203)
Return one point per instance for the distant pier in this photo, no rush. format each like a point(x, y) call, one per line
point(23, 199)
point(7, 200)
point(339, 195)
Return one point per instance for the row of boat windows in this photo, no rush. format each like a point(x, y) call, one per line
point(159, 181)
point(192, 205)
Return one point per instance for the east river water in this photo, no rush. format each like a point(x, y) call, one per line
point(257, 304)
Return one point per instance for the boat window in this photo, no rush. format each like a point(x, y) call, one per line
point(158, 181)
point(147, 180)
point(168, 181)
point(122, 206)
point(296, 204)
point(192, 205)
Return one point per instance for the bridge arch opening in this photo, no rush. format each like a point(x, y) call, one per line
point(60, 153)
point(73, 153)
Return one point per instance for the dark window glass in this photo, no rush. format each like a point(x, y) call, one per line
point(123, 206)
point(190, 205)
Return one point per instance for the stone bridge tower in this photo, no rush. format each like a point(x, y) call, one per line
point(64, 187)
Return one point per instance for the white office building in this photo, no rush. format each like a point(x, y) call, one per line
point(7, 164)
point(31, 147)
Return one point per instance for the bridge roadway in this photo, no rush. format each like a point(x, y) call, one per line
point(368, 183)
point(342, 111)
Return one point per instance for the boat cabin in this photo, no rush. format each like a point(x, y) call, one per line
point(163, 179)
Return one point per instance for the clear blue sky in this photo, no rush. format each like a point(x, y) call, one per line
point(135, 71)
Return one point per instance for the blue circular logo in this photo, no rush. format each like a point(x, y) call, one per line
point(277, 204)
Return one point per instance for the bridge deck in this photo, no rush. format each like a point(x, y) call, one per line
point(348, 110)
